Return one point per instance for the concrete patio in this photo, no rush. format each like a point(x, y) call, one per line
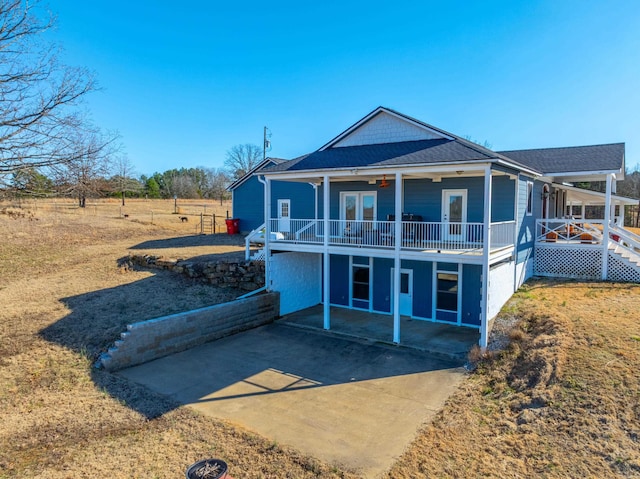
point(436, 338)
point(352, 403)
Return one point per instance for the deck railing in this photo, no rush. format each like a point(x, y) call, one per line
point(415, 235)
point(569, 231)
point(502, 234)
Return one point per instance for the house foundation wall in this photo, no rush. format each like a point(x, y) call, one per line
point(298, 279)
point(501, 287)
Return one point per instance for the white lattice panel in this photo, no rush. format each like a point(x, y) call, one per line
point(619, 269)
point(577, 262)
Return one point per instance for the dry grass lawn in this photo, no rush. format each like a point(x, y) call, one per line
point(563, 400)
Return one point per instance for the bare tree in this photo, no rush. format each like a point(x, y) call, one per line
point(123, 180)
point(217, 182)
point(241, 159)
point(38, 94)
point(85, 176)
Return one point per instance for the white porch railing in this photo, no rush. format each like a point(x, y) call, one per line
point(502, 234)
point(415, 235)
point(569, 231)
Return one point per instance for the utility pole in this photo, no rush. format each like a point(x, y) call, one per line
point(266, 143)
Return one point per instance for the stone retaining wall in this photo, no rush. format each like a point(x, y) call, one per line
point(245, 275)
point(155, 338)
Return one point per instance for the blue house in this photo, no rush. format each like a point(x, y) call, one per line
point(247, 195)
point(397, 217)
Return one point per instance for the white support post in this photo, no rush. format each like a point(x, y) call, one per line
point(327, 283)
point(515, 234)
point(396, 258)
point(486, 242)
point(605, 232)
point(267, 233)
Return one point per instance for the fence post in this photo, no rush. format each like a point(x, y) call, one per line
point(151, 216)
point(214, 223)
point(201, 224)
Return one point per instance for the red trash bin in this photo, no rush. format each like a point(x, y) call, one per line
point(233, 226)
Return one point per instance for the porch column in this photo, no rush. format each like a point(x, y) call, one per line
point(325, 253)
point(486, 242)
point(396, 258)
point(267, 233)
point(605, 232)
point(515, 234)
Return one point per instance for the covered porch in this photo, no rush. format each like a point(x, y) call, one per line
point(437, 338)
point(426, 211)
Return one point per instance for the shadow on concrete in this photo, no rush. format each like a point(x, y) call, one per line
point(355, 403)
point(276, 359)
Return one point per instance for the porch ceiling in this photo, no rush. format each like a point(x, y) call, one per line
point(592, 198)
point(377, 174)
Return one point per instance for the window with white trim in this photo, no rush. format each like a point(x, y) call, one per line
point(529, 198)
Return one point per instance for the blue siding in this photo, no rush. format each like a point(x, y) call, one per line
point(424, 197)
point(248, 204)
point(302, 196)
point(339, 276)
point(526, 223)
point(503, 193)
point(248, 201)
point(471, 293)
point(422, 287)
point(385, 198)
point(448, 267)
point(382, 284)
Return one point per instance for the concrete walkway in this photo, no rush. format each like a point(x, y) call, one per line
point(351, 403)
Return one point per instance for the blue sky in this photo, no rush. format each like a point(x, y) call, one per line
point(185, 81)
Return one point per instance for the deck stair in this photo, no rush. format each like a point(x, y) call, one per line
point(256, 236)
point(258, 255)
point(632, 257)
point(624, 255)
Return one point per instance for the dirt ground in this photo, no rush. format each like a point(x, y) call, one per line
point(562, 400)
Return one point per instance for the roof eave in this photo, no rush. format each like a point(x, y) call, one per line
point(379, 170)
point(249, 174)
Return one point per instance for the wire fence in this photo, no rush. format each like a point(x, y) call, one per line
point(187, 216)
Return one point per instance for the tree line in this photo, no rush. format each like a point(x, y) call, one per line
point(91, 180)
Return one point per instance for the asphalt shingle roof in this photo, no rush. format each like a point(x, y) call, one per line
point(571, 159)
point(419, 152)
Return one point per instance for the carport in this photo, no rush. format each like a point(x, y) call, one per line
point(352, 403)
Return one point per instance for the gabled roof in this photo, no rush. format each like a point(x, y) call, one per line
point(555, 161)
point(429, 132)
point(263, 164)
point(386, 154)
point(439, 146)
point(350, 149)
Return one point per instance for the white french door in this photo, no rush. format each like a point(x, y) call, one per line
point(359, 205)
point(454, 212)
